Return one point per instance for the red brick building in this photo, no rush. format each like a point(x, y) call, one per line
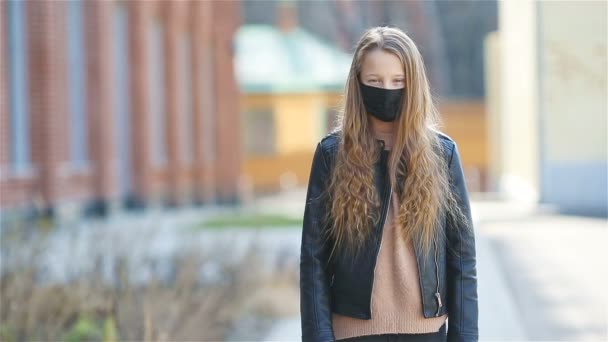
point(117, 103)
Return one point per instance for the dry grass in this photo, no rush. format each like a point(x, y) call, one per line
point(180, 309)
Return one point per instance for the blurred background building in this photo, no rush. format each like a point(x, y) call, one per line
point(449, 36)
point(116, 104)
point(547, 105)
point(291, 83)
point(109, 104)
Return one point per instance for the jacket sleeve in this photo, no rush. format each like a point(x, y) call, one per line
point(315, 311)
point(461, 262)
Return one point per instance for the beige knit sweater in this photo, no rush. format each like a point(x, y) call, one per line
point(396, 304)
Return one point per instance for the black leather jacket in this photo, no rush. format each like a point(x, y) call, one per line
point(448, 280)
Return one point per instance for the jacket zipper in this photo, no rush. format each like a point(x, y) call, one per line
point(437, 294)
point(381, 234)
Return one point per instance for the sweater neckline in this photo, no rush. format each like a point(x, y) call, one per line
point(386, 139)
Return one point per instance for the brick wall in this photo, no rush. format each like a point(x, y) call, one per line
point(213, 173)
point(227, 112)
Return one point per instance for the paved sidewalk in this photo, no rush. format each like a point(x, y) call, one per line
point(556, 268)
point(498, 316)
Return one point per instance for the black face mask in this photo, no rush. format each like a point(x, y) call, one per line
point(384, 104)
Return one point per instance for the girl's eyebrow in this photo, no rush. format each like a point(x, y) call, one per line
point(376, 75)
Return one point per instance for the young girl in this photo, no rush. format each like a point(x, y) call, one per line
point(388, 247)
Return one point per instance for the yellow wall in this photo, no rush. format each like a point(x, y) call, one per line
point(465, 122)
point(300, 123)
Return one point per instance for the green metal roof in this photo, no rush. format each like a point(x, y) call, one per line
point(270, 61)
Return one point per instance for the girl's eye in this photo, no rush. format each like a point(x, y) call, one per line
point(398, 81)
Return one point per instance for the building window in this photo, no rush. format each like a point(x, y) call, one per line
point(186, 115)
point(18, 88)
point(260, 133)
point(158, 120)
point(76, 78)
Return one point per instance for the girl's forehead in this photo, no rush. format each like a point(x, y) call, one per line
point(380, 62)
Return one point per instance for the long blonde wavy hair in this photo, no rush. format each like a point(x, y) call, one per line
point(416, 155)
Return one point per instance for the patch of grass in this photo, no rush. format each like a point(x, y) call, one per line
point(252, 220)
point(85, 329)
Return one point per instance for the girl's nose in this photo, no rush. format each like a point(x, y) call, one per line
point(388, 85)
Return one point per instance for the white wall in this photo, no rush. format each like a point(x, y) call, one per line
point(573, 104)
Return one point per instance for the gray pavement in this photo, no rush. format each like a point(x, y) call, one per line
point(556, 270)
